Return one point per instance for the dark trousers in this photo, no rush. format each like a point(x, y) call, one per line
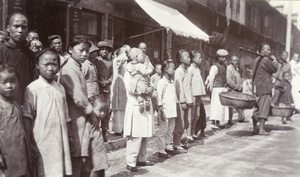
point(262, 107)
point(105, 121)
point(201, 123)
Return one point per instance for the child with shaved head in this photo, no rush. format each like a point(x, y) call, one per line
point(141, 82)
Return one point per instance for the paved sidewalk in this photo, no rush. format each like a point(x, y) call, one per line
point(117, 142)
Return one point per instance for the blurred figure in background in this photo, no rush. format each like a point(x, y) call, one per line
point(119, 98)
point(234, 82)
point(3, 37)
point(104, 67)
point(55, 42)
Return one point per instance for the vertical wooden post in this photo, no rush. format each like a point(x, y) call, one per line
point(104, 28)
point(67, 25)
point(289, 29)
point(169, 44)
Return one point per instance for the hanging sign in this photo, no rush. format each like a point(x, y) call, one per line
point(75, 14)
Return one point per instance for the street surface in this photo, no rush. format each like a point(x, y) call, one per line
point(233, 151)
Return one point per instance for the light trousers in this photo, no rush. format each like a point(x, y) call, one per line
point(136, 150)
point(164, 135)
point(181, 124)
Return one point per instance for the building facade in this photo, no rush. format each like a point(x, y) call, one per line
point(231, 24)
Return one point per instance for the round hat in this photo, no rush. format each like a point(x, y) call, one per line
point(93, 47)
point(104, 44)
point(222, 52)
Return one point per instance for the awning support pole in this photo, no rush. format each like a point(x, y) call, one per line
point(149, 32)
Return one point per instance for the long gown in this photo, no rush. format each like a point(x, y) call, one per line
point(295, 70)
point(13, 144)
point(119, 98)
point(45, 103)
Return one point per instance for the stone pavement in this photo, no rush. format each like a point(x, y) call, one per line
point(230, 152)
point(116, 142)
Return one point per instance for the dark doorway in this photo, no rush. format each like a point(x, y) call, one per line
point(48, 18)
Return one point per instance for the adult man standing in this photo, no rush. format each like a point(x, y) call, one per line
point(295, 71)
point(234, 82)
point(55, 42)
point(104, 67)
point(15, 51)
point(216, 82)
point(138, 127)
point(263, 67)
point(143, 47)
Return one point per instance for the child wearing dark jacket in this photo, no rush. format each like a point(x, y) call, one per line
point(283, 95)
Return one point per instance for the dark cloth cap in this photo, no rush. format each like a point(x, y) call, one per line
point(52, 37)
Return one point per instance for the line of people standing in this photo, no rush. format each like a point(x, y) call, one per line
point(57, 131)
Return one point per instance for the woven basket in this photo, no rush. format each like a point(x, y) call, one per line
point(282, 110)
point(237, 100)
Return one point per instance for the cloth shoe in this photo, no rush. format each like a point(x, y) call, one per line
point(214, 127)
point(229, 122)
point(163, 155)
point(169, 148)
point(190, 139)
point(141, 107)
point(180, 149)
point(195, 137)
point(147, 163)
point(202, 134)
point(147, 105)
point(133, 169)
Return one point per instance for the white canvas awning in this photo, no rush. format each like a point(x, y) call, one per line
point(173, 19)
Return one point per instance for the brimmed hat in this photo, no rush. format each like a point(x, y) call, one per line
point(104, 44)
point(52, 37)
point(93, 47)
point(222, 53)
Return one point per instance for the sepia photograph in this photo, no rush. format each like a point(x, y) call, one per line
point(152, 88)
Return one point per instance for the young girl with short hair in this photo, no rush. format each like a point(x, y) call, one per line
point(45, 108)
point(81, 111)
point(14, 152)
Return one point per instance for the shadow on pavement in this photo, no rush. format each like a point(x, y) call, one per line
point(140, 171)
point(240, 133)
point(155, 159)
point(278, 127)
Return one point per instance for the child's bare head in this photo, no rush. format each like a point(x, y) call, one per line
point(286, 76)
point(9, 81)
point(168, 67)
point(158, 68)
point(136, 55)
point(103, 107)
point(183, 57)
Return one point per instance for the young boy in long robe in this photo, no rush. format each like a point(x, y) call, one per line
point(283, 94)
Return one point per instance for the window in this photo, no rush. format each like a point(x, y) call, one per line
point(266, 21)
point(254, 18)
point(89, 24)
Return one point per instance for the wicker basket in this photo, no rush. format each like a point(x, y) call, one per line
point(237, 100)
point(282, 110)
